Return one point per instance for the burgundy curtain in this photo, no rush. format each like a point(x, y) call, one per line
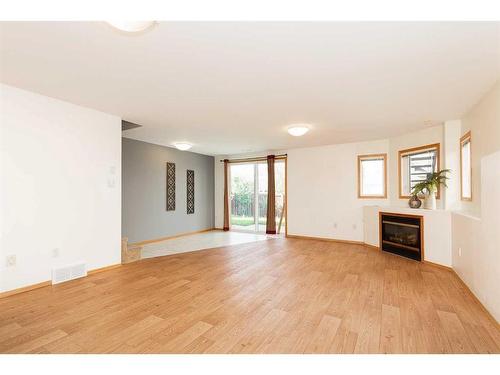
point(226, 195)
point(271, 199)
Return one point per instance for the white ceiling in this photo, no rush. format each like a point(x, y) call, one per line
point(234, 87)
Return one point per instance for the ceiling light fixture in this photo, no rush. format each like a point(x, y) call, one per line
point(132, 26)
point(298, 130)
point(183, 146)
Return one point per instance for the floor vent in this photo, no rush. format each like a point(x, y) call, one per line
point(60, 275)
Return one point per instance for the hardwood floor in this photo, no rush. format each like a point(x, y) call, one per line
point(276, 296)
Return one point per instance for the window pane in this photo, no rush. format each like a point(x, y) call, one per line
point(466, 171)
point(415, 167)
point(242, 196)
point(372, 177)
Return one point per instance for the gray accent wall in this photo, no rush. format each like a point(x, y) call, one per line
point(144, 214)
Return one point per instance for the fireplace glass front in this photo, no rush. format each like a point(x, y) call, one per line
point(401, 235)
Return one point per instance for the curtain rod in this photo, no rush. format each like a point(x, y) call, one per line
point(260, 158)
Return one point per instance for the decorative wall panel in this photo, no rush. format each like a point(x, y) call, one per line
point(170, 186)
point(190, 191)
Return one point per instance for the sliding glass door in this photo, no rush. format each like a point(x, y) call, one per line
point(242, 196)
point(261, 196)
point(279, 180)
point(248, 197)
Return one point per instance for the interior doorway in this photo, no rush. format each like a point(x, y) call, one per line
point(248, 196)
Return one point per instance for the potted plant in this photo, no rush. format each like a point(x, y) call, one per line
point(430, 186)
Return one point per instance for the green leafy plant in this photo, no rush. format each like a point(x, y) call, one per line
point(431, 184)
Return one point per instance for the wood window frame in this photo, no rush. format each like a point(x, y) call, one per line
point(463, 139)
point(372, 157)
point(412, 150)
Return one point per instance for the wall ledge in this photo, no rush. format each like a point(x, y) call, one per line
point(467, 215)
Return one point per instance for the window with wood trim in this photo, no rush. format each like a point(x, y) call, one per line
point(372, 176)
point(465, 168)
point(414, 166)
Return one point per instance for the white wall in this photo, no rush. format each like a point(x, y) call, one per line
point(415, 139)
point(476, 240)
point(451, 154)
point(483, 120)
point(476, 230)
point(322, 190)
point(60, 186)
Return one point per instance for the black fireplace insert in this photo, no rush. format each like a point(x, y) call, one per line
point(402, 234)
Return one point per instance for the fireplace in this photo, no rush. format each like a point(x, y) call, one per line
point(402, 234)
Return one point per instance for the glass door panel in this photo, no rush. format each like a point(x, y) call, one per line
point(243, 197)
point(279, 180)
point(262, 196)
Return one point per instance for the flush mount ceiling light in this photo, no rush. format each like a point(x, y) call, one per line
point(298, 130)
point(183, 146)
point(132, 26)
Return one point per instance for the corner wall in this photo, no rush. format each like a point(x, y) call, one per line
point(476, 230)
point(60, 187)
point(483, 120)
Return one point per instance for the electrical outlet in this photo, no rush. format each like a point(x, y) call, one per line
point(335, 225)
point(10, 260)
point(55, 253)
point(459, 251)
point(354, 226)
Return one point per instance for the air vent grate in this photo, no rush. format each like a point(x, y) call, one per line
point(60, 275)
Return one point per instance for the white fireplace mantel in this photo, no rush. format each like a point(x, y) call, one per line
point(437, 230)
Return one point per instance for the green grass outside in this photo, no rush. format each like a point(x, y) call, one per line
point(245, 221)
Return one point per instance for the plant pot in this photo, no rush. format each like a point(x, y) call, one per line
point(430, 201)
point(414, 202)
